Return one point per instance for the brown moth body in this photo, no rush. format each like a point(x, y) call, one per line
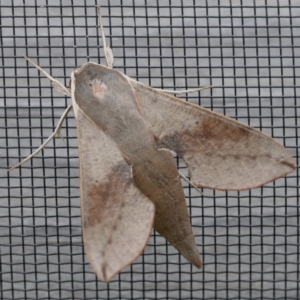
point(143, 124)
point(108, 99)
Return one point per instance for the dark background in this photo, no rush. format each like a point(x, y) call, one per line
point(249, 50)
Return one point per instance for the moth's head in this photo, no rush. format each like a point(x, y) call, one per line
point(91, 79)
point(97, 79)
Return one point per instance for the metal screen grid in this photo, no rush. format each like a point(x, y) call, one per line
point(249, 51)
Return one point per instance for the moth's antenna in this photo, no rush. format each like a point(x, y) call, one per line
point(109, 57)
point(54, 82)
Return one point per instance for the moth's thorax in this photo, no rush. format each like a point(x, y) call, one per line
point(106, 96)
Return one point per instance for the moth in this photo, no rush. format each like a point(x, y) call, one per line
point(129, 181)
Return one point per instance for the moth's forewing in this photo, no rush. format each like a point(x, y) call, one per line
point(116, 217)
point(220, 153)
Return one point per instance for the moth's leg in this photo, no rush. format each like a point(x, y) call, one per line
point(56, 132)
point(186, 91)
point(54, 82)
point(186, 179)
point(109, 57)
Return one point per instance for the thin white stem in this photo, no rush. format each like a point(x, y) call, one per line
point(56, 132)
point(186, 179)
point(186, 91)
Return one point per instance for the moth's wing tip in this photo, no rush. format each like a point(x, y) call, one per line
point(290, 161)
point(189, 251)
point(103, 276)
point(285, 164)
point(197, 262)
point(278, 167)
point(193, 258)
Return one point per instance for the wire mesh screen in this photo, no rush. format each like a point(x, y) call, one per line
point(249, 52)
